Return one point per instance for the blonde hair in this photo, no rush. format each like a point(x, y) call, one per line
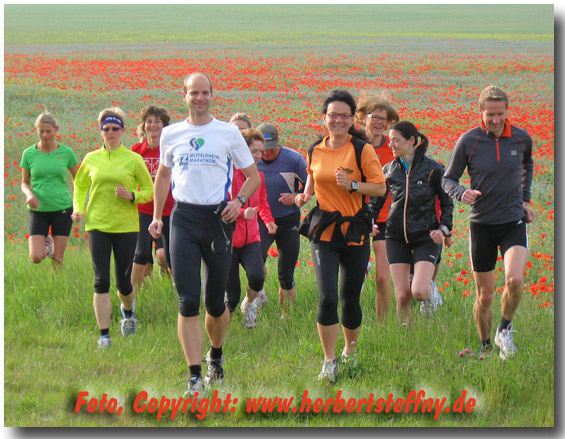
point(113, 111)
point(492, 93)
point(241, 116)
point(46, 117)
point(369, 103)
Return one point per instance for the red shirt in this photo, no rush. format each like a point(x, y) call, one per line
point(151, 159)
point(247, 231)
point(385, 155)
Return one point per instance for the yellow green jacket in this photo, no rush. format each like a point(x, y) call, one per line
point(99, 174)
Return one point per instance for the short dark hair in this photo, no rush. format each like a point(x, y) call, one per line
point(345, 97)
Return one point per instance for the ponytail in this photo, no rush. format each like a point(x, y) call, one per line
point(408, 129)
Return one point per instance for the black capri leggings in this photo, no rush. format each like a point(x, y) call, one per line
point(288, 243)
point(250, 258)
point(144, 247)
point(193, 229)
point(352, 261)
point(101, 246)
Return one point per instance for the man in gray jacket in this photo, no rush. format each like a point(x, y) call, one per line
point(498, 158)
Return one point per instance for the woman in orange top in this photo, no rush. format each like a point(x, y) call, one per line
point(335, 177)
point(376, 115)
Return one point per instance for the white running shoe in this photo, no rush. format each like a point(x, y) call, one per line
point(436, 297)
point(505, 341)
point(429, 306)
point(193, 385)
point(261, 299)
point(104, 342)
point(128, 325)
point(251, 314)
point(367, 272)
point(329, 370)
point(49, 246)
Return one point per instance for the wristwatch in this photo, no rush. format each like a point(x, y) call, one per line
point(445, 231)
point(354, 186)
point(242, 199)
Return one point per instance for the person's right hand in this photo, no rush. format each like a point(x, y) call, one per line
point(301, 199)
point(32, 201)
point(77, 217)
point(470, 195)
point(250, 213)
point(155, 228)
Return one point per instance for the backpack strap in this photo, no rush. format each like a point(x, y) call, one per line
point(358, 145)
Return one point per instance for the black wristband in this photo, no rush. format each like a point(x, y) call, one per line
point(132, 197)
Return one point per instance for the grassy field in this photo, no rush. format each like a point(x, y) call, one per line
point(276, 63)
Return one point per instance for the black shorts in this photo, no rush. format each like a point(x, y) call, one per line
point(144, 247)
point(485, 239)
point(398, 252)
point(382, 230)
point(60, 221)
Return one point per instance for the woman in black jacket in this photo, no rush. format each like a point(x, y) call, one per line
point(414, 234)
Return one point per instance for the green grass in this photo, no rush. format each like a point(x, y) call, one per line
point(243, 24)
point(50, 323)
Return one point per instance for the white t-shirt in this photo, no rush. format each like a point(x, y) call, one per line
point(202, 158)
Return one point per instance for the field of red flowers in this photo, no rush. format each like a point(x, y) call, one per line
point(438, 91)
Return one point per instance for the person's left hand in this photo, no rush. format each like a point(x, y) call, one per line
point(231, 211)
point(437, 236)
point(530, 215)
point(448, 241)
point(287, 199)
point(342, 180)
point(250, 213)
point(122, 192)
point(271, 227)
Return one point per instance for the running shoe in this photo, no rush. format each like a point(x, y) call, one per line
point(49, 246)
point(436, 297)
point(251, 314)
point(128, 325)
point(505, 341)
point(104, 342)
point(429, 306)
point(367, 272)
point(215, 372)
point(261, 299)
point(193, 385)
point(329, 370)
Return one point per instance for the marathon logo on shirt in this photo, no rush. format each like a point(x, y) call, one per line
point(196, 144)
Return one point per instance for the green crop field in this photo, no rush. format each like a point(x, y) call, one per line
point(277, 63)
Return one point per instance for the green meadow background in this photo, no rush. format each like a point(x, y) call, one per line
point(49, 327)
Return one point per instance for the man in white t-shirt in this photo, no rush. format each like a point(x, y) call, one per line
point(198, 155)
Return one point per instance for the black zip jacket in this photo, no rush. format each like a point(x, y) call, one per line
point(413, 213)
point(500, 168)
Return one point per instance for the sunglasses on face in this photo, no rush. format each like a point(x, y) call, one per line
point(106, 129)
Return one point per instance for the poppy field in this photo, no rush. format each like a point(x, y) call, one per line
point(280, 76)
